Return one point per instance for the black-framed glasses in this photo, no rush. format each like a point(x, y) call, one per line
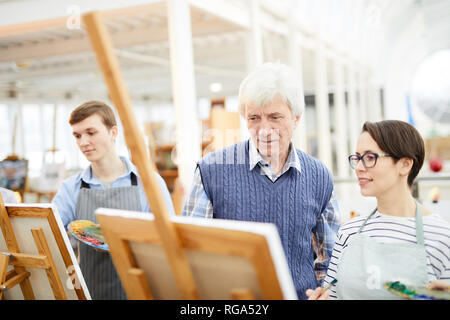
point(369, 159)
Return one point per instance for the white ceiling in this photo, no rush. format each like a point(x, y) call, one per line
point(47, 60)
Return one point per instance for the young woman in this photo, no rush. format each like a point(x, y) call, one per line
point(400, 240)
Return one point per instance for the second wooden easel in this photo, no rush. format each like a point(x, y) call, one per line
point(21, 261)
point(50, 273)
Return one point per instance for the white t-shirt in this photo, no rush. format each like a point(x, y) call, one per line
point(390, 229)
point(8, 196)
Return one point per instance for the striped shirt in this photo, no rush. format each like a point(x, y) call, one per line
point(390, 229)
point(199, 205)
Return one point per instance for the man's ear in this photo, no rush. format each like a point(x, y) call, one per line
point(297, 120)
point(114, 131)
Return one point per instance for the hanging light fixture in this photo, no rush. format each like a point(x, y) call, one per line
point(215, 87)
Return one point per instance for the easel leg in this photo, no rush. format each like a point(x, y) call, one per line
point(52, 272)
point(242, 294)
point(13, 247)
point(138, 281)
point(3, 268)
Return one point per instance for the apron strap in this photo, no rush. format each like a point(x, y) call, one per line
point(419, 225)
point(133, 179)
point(365, 221)
point(84, 185)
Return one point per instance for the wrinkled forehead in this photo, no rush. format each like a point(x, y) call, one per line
point(269, 105)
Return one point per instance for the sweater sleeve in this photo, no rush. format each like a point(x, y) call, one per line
point(325, 232)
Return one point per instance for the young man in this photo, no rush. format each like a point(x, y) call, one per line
point(110, 181)
point(265, 179)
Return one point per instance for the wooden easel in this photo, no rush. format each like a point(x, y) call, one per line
point(52, 171)
point(225, 126)
point(19, 191)
point(20, 261)
point(109, 65)
point(170, 236)
point(14, 157)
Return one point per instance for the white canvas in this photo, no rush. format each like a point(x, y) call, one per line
point(205, 266)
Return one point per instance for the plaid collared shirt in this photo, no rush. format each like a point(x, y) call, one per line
point(328, 223)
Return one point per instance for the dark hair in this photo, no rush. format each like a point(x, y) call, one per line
point(89, 108)
point(400, 140)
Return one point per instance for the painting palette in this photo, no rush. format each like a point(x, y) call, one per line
point(416, 292)
point(88, 233)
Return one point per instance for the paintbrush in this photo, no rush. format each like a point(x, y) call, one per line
point(328, 286)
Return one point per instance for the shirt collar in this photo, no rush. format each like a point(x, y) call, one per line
point(256, 158)
point(89, 177)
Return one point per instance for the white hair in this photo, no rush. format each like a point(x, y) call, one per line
point(261, 85)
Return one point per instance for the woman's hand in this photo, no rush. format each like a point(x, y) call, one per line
point(439, 285)
point(318, 294)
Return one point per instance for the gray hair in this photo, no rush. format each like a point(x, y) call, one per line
point(261, 85)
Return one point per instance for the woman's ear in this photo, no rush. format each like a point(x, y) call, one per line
point(405, 165)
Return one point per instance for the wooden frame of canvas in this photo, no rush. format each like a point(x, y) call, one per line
point(45, 259)
point(122, 233)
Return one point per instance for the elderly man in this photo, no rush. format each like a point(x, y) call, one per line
point(265, 179)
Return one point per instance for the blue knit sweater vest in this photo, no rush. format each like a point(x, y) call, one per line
point(293, 202)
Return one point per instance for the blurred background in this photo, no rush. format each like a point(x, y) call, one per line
point(183, 61)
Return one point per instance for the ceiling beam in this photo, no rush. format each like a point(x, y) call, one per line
point(32, 16)
point(225, 11)
point(78, 45)
point(121, 39)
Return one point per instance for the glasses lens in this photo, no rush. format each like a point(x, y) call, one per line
point(353, 160)
point(369, 160)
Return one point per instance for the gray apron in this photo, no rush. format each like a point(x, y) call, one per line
point(97, 267)
point(367, 264)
